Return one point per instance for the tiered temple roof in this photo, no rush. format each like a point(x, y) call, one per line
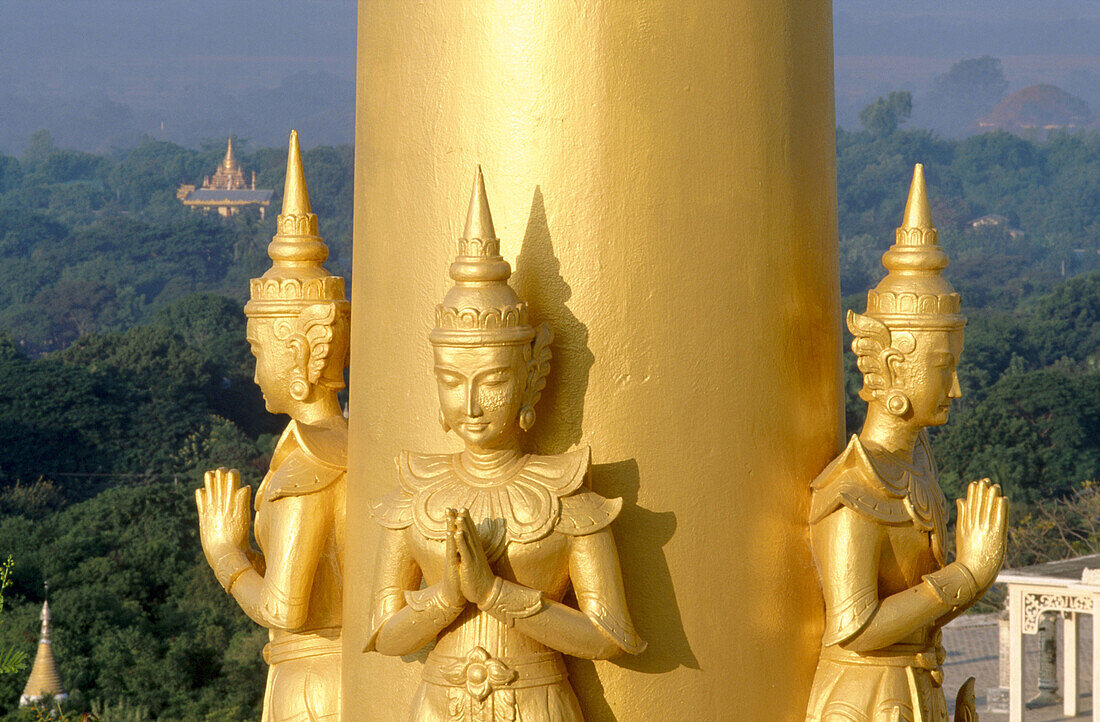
point(226, 191)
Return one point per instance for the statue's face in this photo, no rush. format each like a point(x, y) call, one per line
point(480, 392)
point(274, 360)
point(931, 379)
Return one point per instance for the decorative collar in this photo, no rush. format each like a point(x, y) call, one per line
point(522, 504)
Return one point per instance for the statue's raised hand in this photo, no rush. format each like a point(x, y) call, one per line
point(981, 530)
point(474, 572)
point(224, 514)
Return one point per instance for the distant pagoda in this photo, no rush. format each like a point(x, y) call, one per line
point(226, 191)
point(44, 683)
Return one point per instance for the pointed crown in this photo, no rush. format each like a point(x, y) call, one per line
point(481, 309)
point(914, 293)
point(296, 278)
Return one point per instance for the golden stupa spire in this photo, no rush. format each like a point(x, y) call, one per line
point(45, 681)
point(918, 214)
point(230, 159)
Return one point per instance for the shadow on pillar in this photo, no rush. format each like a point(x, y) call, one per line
point(649, 590)
point(538, 281)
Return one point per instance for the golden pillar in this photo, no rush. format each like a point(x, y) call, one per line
point(661, 175)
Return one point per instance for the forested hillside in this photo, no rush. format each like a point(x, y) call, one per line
point(97, 243)
point(126, 374)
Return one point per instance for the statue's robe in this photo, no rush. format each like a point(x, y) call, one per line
point(877, 526)
point(299, 527)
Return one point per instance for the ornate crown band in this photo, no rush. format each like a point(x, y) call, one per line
point(481, 327)
point(916, 310)
point(274, 296)
point(297, 224)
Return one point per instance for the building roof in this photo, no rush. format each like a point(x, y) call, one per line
point(1065, 572)
point(213, 196)
point(45, 680)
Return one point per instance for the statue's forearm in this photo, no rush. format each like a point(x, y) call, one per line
point(265, 605)
point(557, 626)
point(418, 622)
point(942, 593)
point(247, 591)
point(569, 631)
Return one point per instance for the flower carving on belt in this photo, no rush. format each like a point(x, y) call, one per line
point(480, 673)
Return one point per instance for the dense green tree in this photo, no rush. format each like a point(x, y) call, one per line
point(138, 616)
point(966, 92)
point(883, 116)
point(1036, 433)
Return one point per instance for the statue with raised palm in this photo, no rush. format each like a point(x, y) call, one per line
point(298, 326)
point(878, 517)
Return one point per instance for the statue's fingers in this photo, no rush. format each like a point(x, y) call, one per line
point(972, 502)
point(243, 496)
point(234, 477)
point(472, 536)
point(1001, 516)
point(960, 514)
point(460, 544)
point(199, 503)
point(988, 499)
point(450, 550)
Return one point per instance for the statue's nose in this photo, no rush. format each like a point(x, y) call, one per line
point(473, 408)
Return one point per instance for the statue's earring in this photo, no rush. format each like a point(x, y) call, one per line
point(443, 422)
point(299, 387)
point(527, 417)
point(897, 403)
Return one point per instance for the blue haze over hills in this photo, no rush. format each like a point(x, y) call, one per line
point(885, 45)
point(101, 73)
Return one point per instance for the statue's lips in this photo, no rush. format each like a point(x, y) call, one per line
point(475, 425)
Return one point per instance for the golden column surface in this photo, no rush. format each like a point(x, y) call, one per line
point(662, 181)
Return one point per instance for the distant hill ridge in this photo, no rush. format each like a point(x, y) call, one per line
point(1038, 107)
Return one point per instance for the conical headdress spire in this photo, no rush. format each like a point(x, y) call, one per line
point(918, 214)
point(479, 223)
point(914, 293)
point(481, 308)
point(296, 277)
point(295, 193)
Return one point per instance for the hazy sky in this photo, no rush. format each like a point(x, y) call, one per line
point(114, 69)
point(126, 43)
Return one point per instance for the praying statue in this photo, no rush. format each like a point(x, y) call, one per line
point(479, 548)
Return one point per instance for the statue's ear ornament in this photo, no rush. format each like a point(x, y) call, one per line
point(537, 355)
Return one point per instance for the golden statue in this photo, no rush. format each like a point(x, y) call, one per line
point(877, 520)
point(499, 537)
point(298, 323)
